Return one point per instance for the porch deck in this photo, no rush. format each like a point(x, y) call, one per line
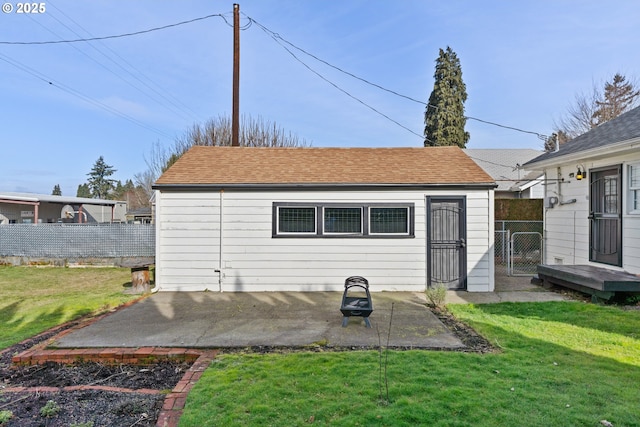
point(599, 282)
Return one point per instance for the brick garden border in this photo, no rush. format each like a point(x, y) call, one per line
point(174, 401)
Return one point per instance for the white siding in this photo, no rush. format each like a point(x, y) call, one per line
point(567, 225)
point(188, 240)
point(188, 244)
point(536, 191)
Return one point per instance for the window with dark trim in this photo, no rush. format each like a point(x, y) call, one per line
point(296, 220)
point(375, 220)
point(342, 220)
point(634, 188)
point(388, 220)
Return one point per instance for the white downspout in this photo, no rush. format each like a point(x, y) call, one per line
point(492, 242)
point(220, 251)
point(157, 208)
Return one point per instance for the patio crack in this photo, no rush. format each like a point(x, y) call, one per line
point(197, 342)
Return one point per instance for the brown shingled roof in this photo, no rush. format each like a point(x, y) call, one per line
point(278, 166)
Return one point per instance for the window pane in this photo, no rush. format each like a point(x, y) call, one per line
point(611, 195)
point(296, 220)
point(342, 220)
point(389, 220)
point(634, 176)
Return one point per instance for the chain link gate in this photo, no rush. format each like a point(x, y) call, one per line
point(501, 252)
point(525, 253)
point(517, 247)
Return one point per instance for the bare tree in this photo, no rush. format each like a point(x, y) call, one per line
point(214, 132)
point(578, 118)
point(157, 162)
point(592, 108)
point(253, 133)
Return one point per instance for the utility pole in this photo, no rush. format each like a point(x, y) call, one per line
point(235, 119)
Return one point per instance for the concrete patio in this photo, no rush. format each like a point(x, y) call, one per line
point(268, 319)
point(285, 319)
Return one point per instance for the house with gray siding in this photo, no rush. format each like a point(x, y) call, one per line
point(304, 219)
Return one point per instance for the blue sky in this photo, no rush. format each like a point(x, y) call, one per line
point(523, 63)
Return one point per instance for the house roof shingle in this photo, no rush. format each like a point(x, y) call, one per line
point(623, 128)
point(322, 166)
point(504, 165)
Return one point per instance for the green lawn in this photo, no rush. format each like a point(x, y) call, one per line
point(34, 299)
point(559, 364)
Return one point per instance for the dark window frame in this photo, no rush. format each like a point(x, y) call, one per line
point(359, 209)
point(365, 220)
point(408, 221)
point(276, 222)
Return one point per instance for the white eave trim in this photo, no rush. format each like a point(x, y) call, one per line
point(592, 154)
point(528, 184)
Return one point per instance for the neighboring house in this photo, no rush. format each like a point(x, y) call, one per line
point(139, 216)
point(592, 199)
point(505, 167)
point(305, 219)
point(29, 208)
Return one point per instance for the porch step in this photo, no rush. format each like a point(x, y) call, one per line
point(599, 281)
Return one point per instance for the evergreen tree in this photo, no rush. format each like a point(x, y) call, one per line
point(619, 97)
point(83, 191)
point(121, 191)
point(56, 190)
point(99, 182)
point(444, 116)
point(118, 190)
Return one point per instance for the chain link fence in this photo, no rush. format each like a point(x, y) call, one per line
point(526, 253)
point(77, 241)
point(518, 247)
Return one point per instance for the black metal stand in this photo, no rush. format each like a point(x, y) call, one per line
point(356, 300)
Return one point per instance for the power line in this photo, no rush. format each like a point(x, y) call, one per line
point(277, 40)
point(281, 41)
point(78, 94)
point(91, 58)
point(136, 33)
point(494, 163)
point(278, 37)
point(162, 94)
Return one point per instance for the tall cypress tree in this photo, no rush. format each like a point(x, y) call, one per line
point(444, 118)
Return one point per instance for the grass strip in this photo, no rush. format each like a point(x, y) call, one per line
point(35, 299)
point(559, 364)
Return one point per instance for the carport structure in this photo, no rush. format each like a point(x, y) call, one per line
point(32, 208)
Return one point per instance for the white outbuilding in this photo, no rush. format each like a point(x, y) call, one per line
point(304, 219)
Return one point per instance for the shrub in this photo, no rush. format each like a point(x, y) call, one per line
point(436, 295)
